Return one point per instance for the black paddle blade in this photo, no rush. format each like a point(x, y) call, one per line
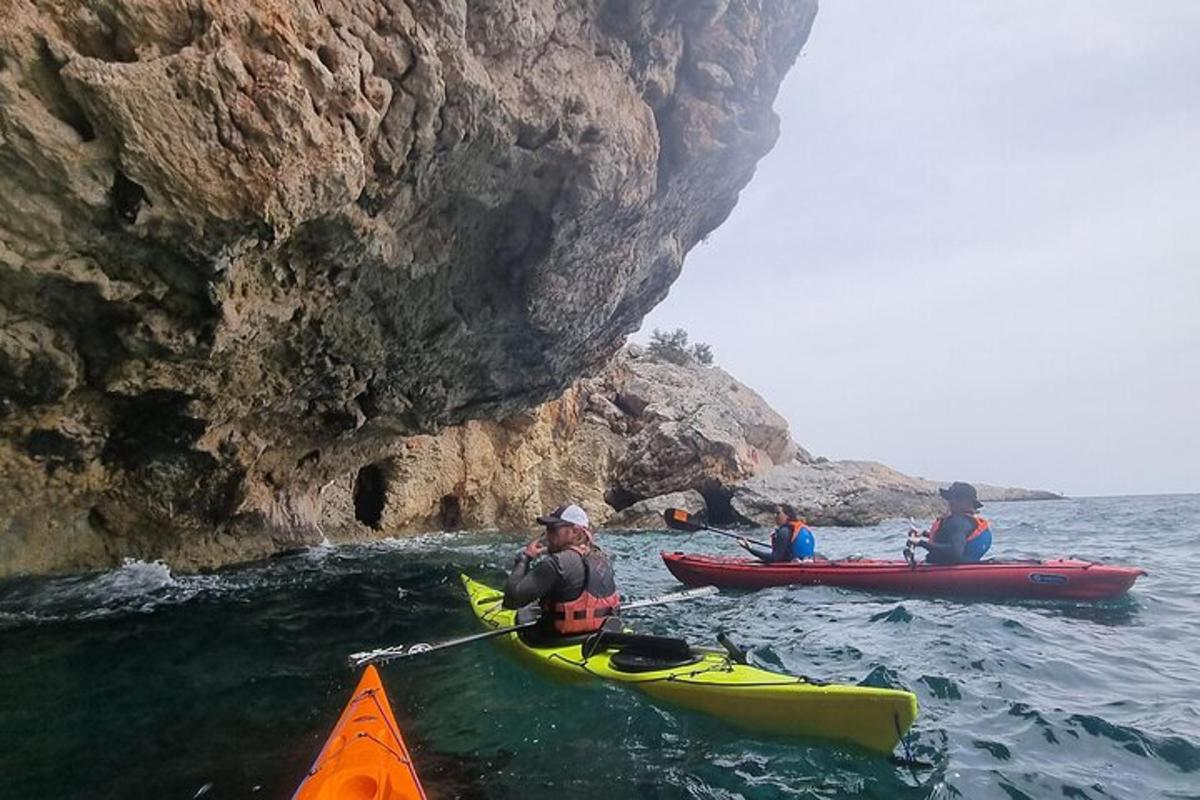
point(680, 520)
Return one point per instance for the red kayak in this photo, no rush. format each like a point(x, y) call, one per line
point(1058, 579)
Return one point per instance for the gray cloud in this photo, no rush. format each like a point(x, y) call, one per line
point(974, 252)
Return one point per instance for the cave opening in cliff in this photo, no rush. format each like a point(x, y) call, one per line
point(127, 198)
point(718, 499)
point(620, 499)
point(370, 495)
point(450, 513)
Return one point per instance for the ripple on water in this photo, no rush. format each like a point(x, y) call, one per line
point(1175, 750)
point(882, 677)
point(997, 750)
point(942, 688)
point(897, 614)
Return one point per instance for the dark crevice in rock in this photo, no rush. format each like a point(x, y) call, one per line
point(92, 323)
point(127, 198)
point(717, 500)
point(530, 138)
point(150, 427)
point(102, 36)
point(370, 495)
point(327, 57)
point(97, 519)
point(450, 513)
point(226, 494)
point(592, 135)
point(526, 235)
point(619, 498)
point(54, 449)
point(58, 100)
point(368, 401)
point(372, 201)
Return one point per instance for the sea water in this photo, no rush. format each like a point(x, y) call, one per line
point(140, 683)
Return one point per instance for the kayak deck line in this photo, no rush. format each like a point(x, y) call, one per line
point(712, 683)
point(365, 757)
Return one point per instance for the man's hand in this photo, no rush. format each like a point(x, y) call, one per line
point(535, 548)
point(742, 543)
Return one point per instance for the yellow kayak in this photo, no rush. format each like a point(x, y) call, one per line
point(711, 682)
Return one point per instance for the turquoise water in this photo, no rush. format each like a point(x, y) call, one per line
point(137, 683)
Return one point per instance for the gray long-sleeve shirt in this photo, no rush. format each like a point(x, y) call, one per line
point(560, 575)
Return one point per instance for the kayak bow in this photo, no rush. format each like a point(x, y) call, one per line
point(365, 757)
point(1058, 579)
point(713, 683)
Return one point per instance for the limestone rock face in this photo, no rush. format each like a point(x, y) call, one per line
point(480, 475)
point(648, 514)
point(695, 429)
point(641, 436)
point(691, 427)
point(245, 246)
point(837, 493)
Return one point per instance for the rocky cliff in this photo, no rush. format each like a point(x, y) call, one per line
point(247, 248)
point(643, 435)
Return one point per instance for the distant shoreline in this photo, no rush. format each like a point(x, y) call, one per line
point(1101, 496)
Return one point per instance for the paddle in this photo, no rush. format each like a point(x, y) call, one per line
point(680, 520)
point(910, 548)
point(386, 654)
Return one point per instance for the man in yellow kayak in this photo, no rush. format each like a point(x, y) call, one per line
point(958, 537)
point(572, 580)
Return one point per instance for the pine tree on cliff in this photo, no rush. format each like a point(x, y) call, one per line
point(673, 346)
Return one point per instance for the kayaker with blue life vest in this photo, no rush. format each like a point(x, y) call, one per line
point(572, 580)
point(791, 541)
point(960, 536)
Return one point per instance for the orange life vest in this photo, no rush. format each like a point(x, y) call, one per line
point(981, 525)
point(588, 612)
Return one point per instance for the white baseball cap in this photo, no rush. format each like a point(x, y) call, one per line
point(565, 515)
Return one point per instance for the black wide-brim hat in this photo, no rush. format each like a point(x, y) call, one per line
point(961, 491)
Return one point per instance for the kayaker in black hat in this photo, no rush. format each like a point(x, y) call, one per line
point(960, 536)
point(573, 584)
point(791, 541)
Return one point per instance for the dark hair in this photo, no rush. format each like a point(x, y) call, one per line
point(789, 510)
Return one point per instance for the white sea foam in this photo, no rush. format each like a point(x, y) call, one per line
point(134, 587)
point(146, 586)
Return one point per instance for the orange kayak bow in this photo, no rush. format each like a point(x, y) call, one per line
point(365, 757)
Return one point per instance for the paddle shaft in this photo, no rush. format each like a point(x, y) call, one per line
point(680, 520)
point(387, 654)
point(733, 535)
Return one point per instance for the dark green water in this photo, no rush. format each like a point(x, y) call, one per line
point(140, 684)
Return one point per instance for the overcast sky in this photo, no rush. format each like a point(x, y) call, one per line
point(975, 251)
